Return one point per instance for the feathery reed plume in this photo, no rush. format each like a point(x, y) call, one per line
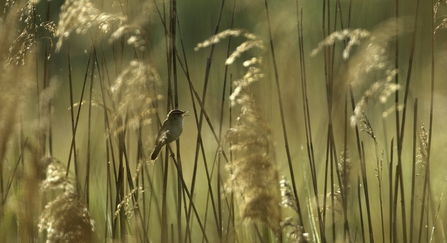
point(372, 55)
point(252, 41)
point(366, 126)
point(134, 94)
point(66, 218)
point(254, 177)
point(126, 203)
point(136, 35)
point(344, 168)
point(381, 89)
point(342, 190)
point(355, 37)
point(287, 198)
point(392, 109)
point(15, 80)
point(373, 50)
point(27, 37)
point(253, 74)
point(134, 30)
point(295, 231)
point(45, 98)
point(423, 148)
point(81, 15)
point(443, 24)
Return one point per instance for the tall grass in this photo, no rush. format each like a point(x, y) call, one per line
point(318, 121)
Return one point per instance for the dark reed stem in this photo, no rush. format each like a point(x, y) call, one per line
point(413, 175)
point(280, 103)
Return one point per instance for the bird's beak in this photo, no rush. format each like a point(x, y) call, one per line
point(184, 113)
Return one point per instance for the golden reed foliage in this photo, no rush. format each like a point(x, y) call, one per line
point(253, 175)
point(133, 94)
point(66, 218)
point(371, 57)
point(16, 80)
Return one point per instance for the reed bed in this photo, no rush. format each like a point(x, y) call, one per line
point(309, 121)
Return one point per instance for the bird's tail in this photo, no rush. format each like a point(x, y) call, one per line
point(155, 152)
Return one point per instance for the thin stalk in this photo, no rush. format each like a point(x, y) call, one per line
point(169, 100)
point(74, 121)
point(280, 103)
point(401, 137)
point(391, 192)
point(326, 172)
point(430, 129)
point(89, 126)
point(379, 164)
point(359, 199)
point(366, 191)
point(164, 206)
point(344, 185)
point(397, 119)
point(306, 117)
point(332, 150)
point(173, 64)
point(202, 149)
point(361, 153)
point(188, 194)
point(199, 122)
point(202, 113)
point(220, 191)
point(413, 175)
point(13, 176)
point(188, 208)
point(46, 84)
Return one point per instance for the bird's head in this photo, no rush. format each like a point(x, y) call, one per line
point(176, 113)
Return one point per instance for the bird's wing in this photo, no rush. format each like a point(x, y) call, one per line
point(163, 137)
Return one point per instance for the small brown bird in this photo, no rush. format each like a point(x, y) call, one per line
point(170, 131)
